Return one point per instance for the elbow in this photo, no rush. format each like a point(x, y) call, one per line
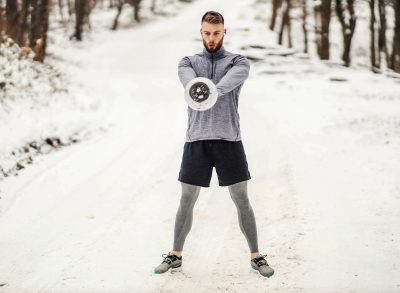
point(184, 62)
point(246, 74)
point(244, 63)
point(246, 66)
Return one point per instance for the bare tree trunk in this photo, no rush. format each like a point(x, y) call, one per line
point(372, 32)
point(34, 33)
point(153, 6)
point(39, 25)
point(317, 27)
point(70, 8)
point(289, 25)
point(349, 31)
point(395, 63)
point(325, 21)
point(285, 23)
point(40, 46)
point(81, 13)
point(276, 4)
point(13, 28)
point(305, 6)
point(347, 27)
point(136, 6)
point(119, 10)
point(24, 25)
point(383, 52)
point(2, 21)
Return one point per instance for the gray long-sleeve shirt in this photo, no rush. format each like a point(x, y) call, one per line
point(228, 71)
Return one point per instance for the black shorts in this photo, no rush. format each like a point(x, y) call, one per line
point(199, 158)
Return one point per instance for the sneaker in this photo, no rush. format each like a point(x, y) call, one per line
point(260, 264)
point(171, 261)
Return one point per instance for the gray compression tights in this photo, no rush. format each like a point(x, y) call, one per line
point(184, 215)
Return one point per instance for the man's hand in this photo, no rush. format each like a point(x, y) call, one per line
point(201, 93)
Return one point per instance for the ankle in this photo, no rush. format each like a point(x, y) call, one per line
point(254, 255)
point(177, 253)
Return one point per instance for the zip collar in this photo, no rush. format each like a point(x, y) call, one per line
point(215, 55)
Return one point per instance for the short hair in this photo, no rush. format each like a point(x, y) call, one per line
point(212, 17)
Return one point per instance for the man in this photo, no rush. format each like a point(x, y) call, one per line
point(213, 140)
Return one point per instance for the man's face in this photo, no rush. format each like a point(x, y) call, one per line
point(212, 35)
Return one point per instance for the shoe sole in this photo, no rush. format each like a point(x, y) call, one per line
point(257, 272)
point(176, 269)
point(171, 269)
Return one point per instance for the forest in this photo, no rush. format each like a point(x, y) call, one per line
point(27, 22)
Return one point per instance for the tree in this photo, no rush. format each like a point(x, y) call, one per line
point(286, 23)
point(322, 15)
point(39, 27)
point(24, 24)
point(13, 27)
point(81, 17)
point(374, 63)
point(348, 26)
point(395, 59)
point(3, 21)
point(325, 21)
point(136, 7)
point(276, 4)
point(304, 26)
point(383, 52)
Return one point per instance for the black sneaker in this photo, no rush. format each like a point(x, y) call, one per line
point(171, 261)
point(260, 264)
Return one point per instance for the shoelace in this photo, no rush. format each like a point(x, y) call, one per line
point(260, 260)
point(169, 258)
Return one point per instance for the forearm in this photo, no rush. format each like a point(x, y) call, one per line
point(235, 76)
point(185, 71)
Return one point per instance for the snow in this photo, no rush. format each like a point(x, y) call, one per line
point(322, 143)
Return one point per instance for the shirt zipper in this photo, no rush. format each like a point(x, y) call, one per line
point(212, 74)
point(212, 65)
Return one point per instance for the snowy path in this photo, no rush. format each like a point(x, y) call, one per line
point(96, 217)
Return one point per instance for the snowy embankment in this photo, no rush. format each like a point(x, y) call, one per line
point(45, 106)
point(322, 145)
point(39, 110)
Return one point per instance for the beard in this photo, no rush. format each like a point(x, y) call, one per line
point(216, 48)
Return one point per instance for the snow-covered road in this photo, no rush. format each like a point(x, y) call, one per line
point(323, 156)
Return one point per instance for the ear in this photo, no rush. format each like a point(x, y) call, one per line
point(224, 31)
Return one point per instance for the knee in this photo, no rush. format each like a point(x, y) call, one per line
point(189, 197)
point(241, 200)
point(189, 188)
point(240, 187)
